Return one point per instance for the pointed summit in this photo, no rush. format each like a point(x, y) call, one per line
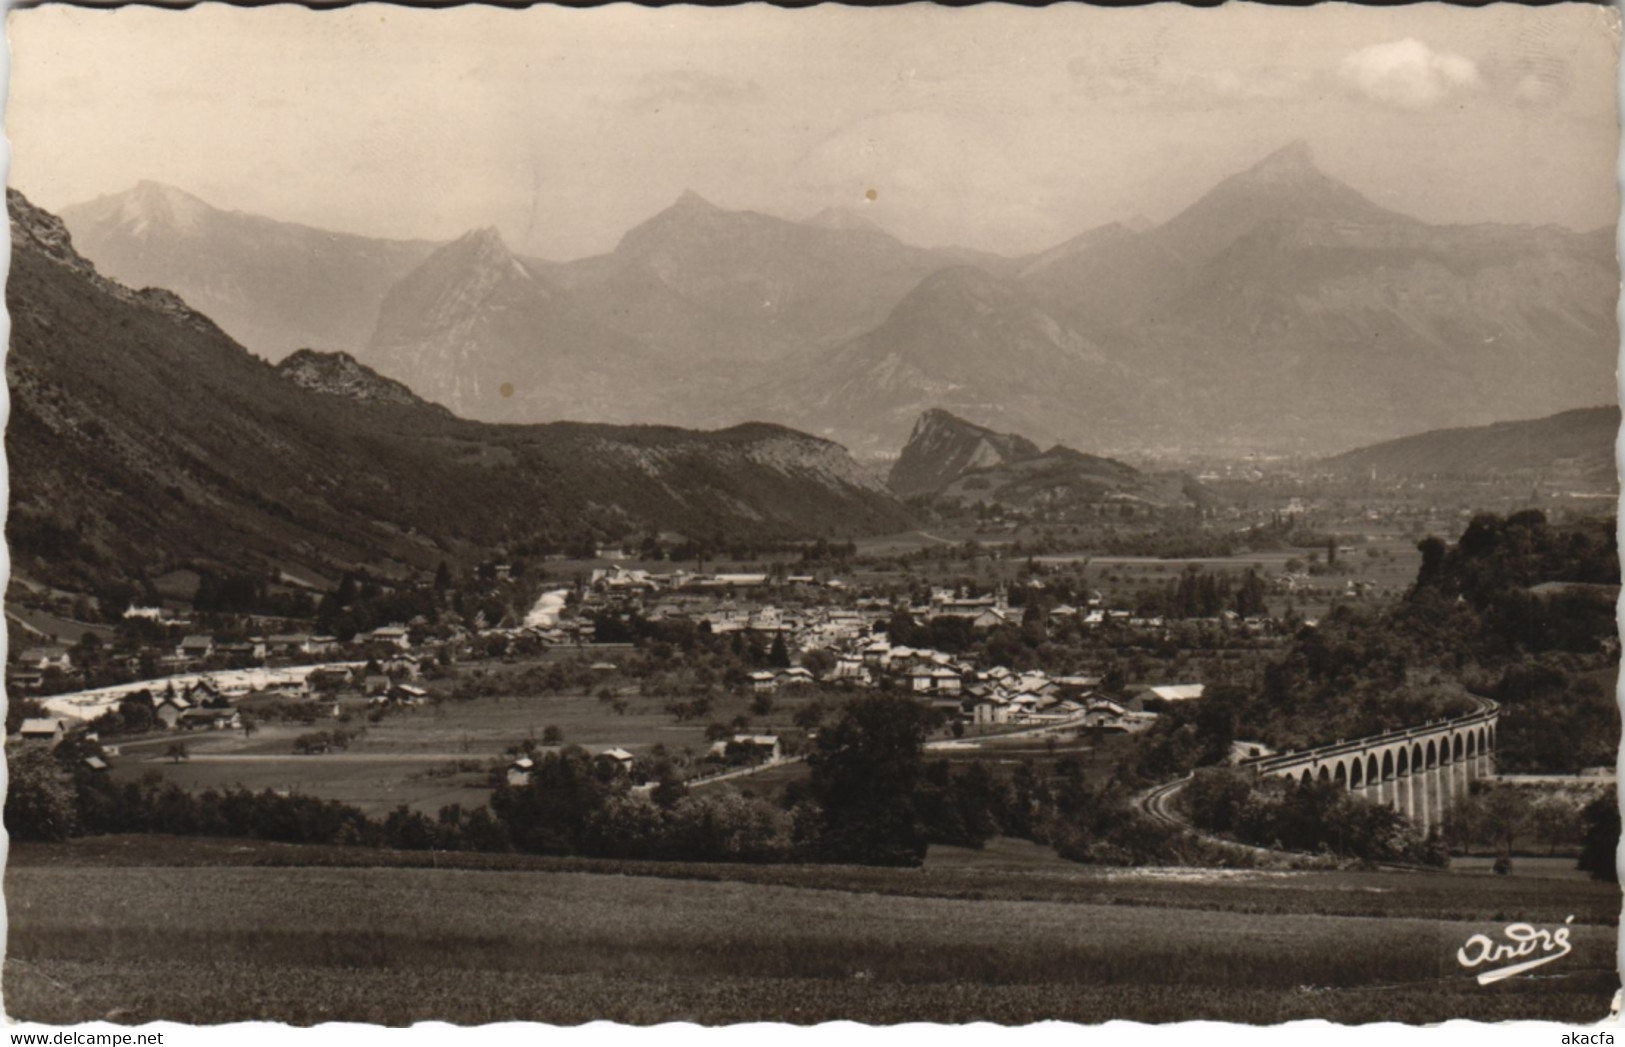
point(487, 237)
point(154, 205)
point(481, 248)
point(1283, 188)
point(690, 200)
point(1291, 162)
point(943, 446)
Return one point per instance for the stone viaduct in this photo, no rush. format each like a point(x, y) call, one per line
point(1418, 771)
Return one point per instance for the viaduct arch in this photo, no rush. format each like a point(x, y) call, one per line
point(1417, 770)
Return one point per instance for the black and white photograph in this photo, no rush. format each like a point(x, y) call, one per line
point(799, 515)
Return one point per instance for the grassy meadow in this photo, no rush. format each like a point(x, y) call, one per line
point(209, 931)
point(429, 757)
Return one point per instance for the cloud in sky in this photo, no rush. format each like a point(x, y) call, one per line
point(1408, 74)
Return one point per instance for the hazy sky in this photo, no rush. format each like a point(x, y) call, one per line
point(1002, 128)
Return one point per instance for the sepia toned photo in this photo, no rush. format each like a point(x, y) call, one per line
point(759, 515)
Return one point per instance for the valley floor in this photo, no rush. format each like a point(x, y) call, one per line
point(132, 929)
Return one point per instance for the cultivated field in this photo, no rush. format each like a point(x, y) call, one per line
point(427, 757)
point(107, 929)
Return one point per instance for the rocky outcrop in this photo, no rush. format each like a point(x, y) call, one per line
point(943, 447)
point(342, 375)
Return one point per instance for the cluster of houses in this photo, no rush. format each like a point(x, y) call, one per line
point(740, 750)
point(523, 766)
point(195, 652)
point(865, 659)
point(27, 672)
point(981, 696)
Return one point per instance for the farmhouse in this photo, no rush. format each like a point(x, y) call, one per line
point(169, 709)
point(40, 729)
point(1105, 713)
point(622, 759)
point(394, 635)
point(44, 659)
point(754, 748)
point(216, 719)
point(20, 679)
point(287, 644)
point(195, 648)
point(250, 650)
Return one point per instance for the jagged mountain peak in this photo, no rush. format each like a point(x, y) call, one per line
point(472, 266)
point(955, 462)
point(943, 446)
point(485, 242)
point(1291, 162)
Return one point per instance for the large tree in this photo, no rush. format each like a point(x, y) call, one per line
point(865, 773)
point(39, 797)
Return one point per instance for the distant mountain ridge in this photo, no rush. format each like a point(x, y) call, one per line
point(1571, 447)
point(1281, 312)
point(142, 438)
point(273, 286)
point(966, 340)
point(494, 337)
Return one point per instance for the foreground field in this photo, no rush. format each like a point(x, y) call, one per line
point(100, 929)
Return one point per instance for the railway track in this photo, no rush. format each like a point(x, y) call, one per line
point(1155, 804)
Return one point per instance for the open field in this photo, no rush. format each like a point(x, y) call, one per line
point(309, 944)
point(42, 625)
point(411, 756)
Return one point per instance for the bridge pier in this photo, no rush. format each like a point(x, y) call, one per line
point(1419, 771)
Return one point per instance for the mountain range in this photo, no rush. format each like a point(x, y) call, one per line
point(142, 438)
point(273, 286)
point(1283, 311)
